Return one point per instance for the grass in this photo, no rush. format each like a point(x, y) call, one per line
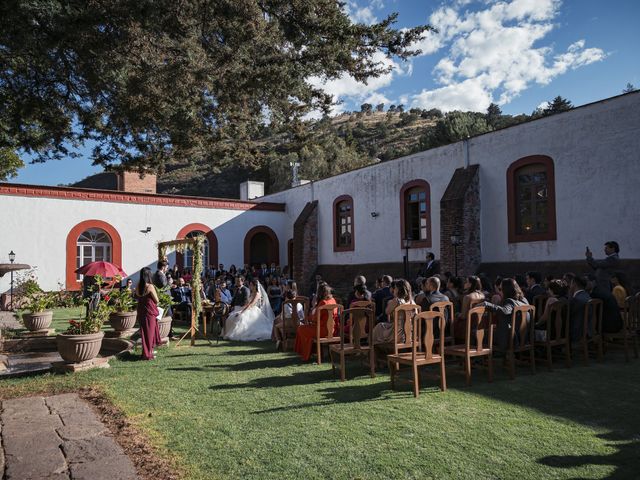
point(244, 411)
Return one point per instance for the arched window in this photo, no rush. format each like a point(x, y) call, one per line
point(415, 213)
point(343, 233)
point(531, 199)
point(93, 245)
point(188, 256)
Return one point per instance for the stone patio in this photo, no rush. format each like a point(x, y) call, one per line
point(58, 437)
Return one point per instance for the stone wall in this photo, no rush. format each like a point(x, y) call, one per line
point(305, 247)
point(460, 215)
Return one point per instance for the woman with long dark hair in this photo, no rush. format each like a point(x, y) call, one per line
point(383, 331)
point(512, 297)
point(147, 313)
point(306, 333)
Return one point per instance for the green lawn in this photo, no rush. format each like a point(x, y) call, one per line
point(245, 411)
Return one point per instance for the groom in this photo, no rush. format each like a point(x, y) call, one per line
point(241, 296)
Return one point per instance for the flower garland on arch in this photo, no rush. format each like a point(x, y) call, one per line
point(195, 243)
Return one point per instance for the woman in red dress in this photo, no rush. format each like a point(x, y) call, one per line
point(147, 313)
point(306, 333)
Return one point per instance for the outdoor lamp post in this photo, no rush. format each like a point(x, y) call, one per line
point(456, 241)
point(12, 257)
point(406, 243)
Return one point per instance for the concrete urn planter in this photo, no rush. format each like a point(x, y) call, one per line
point(164, 325)
point(35, 321)
point(121, 321)
point(79, 348)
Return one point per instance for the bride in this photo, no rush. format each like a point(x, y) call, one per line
point(254, 321)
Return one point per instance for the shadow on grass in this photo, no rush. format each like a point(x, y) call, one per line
point(625, 459)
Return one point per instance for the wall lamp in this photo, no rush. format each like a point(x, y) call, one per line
point(374, 214)
point(146, 230)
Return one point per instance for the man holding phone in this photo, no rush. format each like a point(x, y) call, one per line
point(604, 269)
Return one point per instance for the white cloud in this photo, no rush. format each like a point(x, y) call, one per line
point(493, 53)
point(376, 98)
point(359, 14)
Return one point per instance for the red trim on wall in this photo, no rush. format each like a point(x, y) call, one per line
point(72, 241)
point(415, 183)
point(351, 247)
point(274, 246)
point(514, 236)
point(70, 193)
point(211, 238)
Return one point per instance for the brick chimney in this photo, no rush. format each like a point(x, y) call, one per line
point(135, 183)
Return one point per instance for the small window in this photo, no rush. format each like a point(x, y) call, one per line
point(188, 257)
point(93, 245)
point(343, 232)
point(415, 213)
point(531, 200)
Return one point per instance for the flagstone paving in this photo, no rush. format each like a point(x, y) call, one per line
point(58, 437)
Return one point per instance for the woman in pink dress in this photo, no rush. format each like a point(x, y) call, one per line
point(147, 313)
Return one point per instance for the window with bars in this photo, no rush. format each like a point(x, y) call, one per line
point(343, 236)
point(415, 211)
point(93, 245)
point(531, 207)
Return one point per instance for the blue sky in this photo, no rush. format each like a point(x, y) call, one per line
point(517, 53)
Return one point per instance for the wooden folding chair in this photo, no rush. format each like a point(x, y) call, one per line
point(522, 337)
point(479, 329)
point(592, 315)
point(402, 316)
point(630, 327)
point(360, 321)
point(290, 324)
point(540, 302)
point(558, 333)
point(422, 349)
point(329, 323)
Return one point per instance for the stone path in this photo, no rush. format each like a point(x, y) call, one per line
point(8, 320)
point(58, 437)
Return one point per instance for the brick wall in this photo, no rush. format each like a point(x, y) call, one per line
point(133, 182)
point(305, 247)
point(460, 215)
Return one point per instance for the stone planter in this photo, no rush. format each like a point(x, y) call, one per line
point(121, 321)
point(165, 327)
point(79, 348)
point(37, 320)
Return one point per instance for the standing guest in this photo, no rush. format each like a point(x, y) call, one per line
point(513, 297)
point(431, 268)
point(534, 288)
point(306, 333)
point(382, 295)
point(359, 281)
point(620, 290)
point(275, 295)
point(147, 313)
point(160, 277)
point(604, 268)
point(383, 331)
point(129, 286)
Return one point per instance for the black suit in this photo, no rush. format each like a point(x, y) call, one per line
point(604, 270)
point(502, 336)
point(533, 292)
point(241, 297)
point(380, 296)
point(611, 318)
point(430, 269)
point(576, 314)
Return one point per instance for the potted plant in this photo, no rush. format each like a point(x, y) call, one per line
point(82, 340)
point(123, 316)
point(164, 324)
point(40, 315)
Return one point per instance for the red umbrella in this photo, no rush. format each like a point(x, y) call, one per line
point(104, 269)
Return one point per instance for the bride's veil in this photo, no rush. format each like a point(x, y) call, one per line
point(264, 304)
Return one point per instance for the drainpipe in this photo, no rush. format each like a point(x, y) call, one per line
point(466, 152)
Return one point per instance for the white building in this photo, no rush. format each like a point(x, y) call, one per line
point(531, 196)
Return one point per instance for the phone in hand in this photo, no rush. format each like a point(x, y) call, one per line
point(587, 252)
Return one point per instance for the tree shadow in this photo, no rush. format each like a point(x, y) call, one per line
point(625, 459)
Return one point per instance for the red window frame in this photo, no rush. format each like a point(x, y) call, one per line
point(424, 186)
point(336, 218)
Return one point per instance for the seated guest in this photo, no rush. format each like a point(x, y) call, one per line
point(611, 317)
point(422, 291)
point(285, 315)
point(578, 298)
point(534, 288)
point(453, 290)
point(487, 288)
point(359, 281)
point(381, 296)
point(472, 293)
point(306, 333)
point(513, 297)
point(383, 331)
point(547, 281)
point(496, 297)
point(620, 290)
point(225, 295)
point(557, 290)
point(187, 275)
point(182, 297)
point(431, 287)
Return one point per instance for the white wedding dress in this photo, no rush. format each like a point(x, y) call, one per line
point(255, 323)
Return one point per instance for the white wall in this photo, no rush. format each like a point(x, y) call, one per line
point(37, 230)
point(596, 151)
